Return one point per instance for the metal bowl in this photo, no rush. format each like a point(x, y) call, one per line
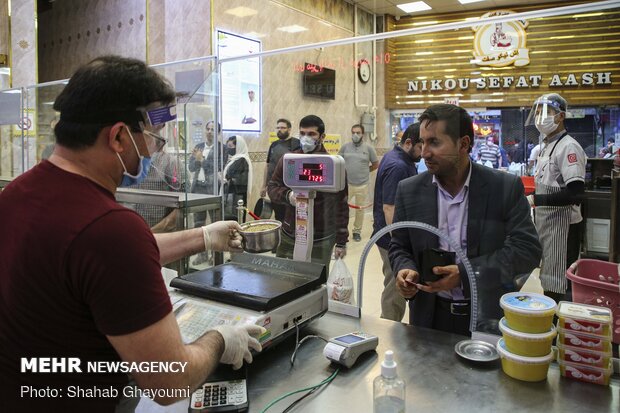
point(258, 240)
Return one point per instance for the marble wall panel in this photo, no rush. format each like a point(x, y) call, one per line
point(23, 42)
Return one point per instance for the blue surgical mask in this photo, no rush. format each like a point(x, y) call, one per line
point(145, 165)
point(307, 143)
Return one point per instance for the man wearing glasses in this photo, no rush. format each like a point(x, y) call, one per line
point(80, 275)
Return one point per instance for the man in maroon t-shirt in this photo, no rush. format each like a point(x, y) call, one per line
point(80, 275)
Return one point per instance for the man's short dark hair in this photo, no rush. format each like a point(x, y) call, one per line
point(412, 132)
point(104, 91)
point(312, 120)
point(458, 121)
point(288, 122)
point(357, 125)
point(219, 127)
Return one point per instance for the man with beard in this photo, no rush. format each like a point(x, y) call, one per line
point(284, 144)
point(396, 165)
point(360, 160)
point(482, 209)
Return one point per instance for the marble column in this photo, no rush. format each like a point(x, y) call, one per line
point(23, 42)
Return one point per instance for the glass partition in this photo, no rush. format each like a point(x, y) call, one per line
point(11, 124)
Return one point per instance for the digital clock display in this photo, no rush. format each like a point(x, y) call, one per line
point(312, 172)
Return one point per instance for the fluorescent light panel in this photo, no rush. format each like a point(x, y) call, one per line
point(241, 11)
point(295, 28)
point(469, 1)
point(414, 7)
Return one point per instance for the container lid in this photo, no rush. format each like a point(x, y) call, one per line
point(527, 303)
point(606, 337)
point(503, 327)
point(585, 312)
point(587, 367)
point(503, 351)
point(566, 347)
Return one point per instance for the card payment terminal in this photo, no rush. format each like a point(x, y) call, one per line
point(346, 349)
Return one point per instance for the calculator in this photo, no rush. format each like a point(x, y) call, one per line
point(224, 391)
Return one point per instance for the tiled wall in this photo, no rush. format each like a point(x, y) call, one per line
point(74, 32)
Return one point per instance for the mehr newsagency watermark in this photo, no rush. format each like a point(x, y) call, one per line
point(74, 365)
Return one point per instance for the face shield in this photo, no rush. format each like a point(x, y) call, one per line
point(544, 107)
point(161, 136)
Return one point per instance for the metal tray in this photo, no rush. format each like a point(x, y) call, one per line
point(476, 350)
point(256, 282)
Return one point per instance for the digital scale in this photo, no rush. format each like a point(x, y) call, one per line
point(306, 175)
point(271, 292)
point(278, 294)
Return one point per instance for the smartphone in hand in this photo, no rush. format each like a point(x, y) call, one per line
point(434, 257)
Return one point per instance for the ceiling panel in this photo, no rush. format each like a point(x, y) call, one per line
point(440, 6)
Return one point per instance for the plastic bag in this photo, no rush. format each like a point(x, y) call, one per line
point(340, 283)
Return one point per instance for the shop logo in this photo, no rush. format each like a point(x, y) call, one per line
point(501, 44)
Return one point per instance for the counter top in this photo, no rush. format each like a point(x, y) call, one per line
point(437, 379)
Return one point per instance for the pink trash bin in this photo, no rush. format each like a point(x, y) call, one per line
point(597, 283)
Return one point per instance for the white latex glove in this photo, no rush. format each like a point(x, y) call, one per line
point(340, 252)
point(291, 198)
point(238, 340)
point(530, 199)
point(222, 236)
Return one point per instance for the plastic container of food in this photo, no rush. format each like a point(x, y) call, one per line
point(582, 340)
point(527, 344)
point(588, 374)
point(523, 368)
point(528, 312)
point(584, 318)
point(583, 356)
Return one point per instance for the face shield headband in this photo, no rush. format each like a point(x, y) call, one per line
point(153, 121)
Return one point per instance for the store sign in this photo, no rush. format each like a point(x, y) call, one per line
point(506, 82)
point(500, 44)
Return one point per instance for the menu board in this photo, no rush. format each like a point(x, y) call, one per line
point(240, 83)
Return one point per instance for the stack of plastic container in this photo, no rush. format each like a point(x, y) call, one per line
point(527, 334)
point(584, 342)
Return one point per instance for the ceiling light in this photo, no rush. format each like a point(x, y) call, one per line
point(575, 16)
point(424, 41)
point(241, 11)
point(468, 1)
point(295, 28)
point(255, 35)
point(423, 53)
point(414, 7)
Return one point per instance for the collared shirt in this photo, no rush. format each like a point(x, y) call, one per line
point(489, 153)
point(452, 219)
point(567, 164)
point(357, 161)
point(395, 166)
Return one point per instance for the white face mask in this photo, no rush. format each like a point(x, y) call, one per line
point(356, 138)
point(307, 143)
point(547, 125)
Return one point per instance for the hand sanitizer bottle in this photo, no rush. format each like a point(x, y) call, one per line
point(388, 389)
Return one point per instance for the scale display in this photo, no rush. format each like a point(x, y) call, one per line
point(324, 173)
